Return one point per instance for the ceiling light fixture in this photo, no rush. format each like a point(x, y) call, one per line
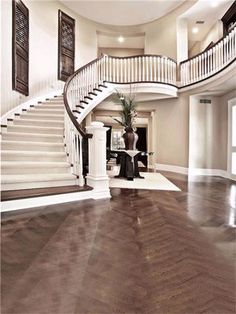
point(121, 39)
point(195, 30)
point(214, 4)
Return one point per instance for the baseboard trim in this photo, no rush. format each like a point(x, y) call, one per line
point(208, 172)
point(25, 203)
point(195, 171)
point(171, 168)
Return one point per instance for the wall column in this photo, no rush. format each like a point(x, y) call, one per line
point(97, 177)
point(182, 39)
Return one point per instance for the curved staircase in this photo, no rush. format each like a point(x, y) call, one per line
point(42, 146)
point(33, 151)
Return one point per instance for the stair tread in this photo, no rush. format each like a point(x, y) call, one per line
point(36, 153)
point(33, 134)
point(39, 120)
point(41, 114)
point(36, 192)
point(32, 143)
point(9, 178)
point(29, 164)
point(30, 127)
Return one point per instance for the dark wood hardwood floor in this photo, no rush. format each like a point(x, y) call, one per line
point(140, 252)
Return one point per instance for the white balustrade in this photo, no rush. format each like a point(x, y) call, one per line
point(73, 141)
point(209, 62)
point(82, 83)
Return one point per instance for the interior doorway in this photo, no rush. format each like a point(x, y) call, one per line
point(231, 165)
point(142, 143)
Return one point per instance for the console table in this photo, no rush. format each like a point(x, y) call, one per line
point(128, 164)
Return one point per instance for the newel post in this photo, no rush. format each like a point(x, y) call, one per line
point(97, 176)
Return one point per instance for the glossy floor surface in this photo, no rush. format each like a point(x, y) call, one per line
point(140, 252)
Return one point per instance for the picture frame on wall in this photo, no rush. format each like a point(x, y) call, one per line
point(66, 45)
point(20, 47)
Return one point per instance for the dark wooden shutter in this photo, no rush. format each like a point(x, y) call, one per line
point(20, 47)
point(66, 45)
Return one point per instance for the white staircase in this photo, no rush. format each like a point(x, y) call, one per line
point(33, 152)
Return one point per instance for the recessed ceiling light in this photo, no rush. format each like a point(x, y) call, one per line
point(121, 39)
point(195, 30)
point(214, 3)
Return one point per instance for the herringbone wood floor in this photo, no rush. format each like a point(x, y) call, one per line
point(140, 252)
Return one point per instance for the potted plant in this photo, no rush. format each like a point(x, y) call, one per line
point(128, 115)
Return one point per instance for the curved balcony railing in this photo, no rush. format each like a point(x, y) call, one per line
point(125, 70)
point(209, 62)
point(139, 69)
point(84, 83)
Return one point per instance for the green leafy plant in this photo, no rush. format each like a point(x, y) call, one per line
point(128, 113)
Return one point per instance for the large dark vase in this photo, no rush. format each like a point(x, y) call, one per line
point(130, 139)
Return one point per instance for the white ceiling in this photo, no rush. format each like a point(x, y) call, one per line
point(119, 12)
point(203, 10)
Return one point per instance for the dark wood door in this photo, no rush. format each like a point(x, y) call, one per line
point(20, 47)
point(142, 144)
point(66, 45)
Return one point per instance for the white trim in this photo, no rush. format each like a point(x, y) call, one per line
point(231, 149)
point(171, 168)
point(54, 199)
point(27, 104)
point(208, 172)
point(195, 171)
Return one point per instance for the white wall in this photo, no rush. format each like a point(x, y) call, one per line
point(182, 39)
point(120, 52)
point(43, 41)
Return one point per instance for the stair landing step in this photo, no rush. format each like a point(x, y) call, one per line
point(28, 193)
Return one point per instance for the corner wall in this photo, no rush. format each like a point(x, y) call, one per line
point(208, 135)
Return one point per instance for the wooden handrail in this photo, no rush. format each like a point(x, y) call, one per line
point(70, 113)
point(145, 55)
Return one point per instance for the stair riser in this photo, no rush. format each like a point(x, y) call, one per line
point(39, 123)
point(31, 185)
point(32, 147)
point(39, 170)
point(31, 138)
point(42, 117)
point(45, 111)
point(49, 107)
point(22, 129)
point(15, 157)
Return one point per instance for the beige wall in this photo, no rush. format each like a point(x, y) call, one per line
point(43, 16)
point(214, 34)
point(208, 135)
point(170, 129)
